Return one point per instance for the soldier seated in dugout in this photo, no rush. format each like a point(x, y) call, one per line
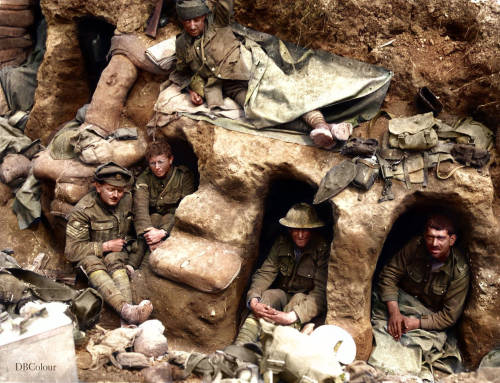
point(158, 191)
point(424, 288)
point(98, 238)
point(289, 288)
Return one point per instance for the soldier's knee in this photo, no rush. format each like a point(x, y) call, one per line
point(91, 263)
point(115, 261)
point(275, 298)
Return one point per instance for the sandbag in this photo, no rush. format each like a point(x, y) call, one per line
point(12, 18)
point(12, 32)
point(44, 167)
point(61, 209)
point(15, 42)
point(413, 133)
point(72, 189)
point(15, 4)
point(207, 266)
point(111, 93)
point(16, 61)
point(10, 54)
point(14, 166)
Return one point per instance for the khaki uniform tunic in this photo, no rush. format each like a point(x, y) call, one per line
point(90, 225)
point(206, 61)
point(306, 275)
point(160, 196)
point(443, 291)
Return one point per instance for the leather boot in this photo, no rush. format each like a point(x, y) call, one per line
point(320, 133)
point(121, 280)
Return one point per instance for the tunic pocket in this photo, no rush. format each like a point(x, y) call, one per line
point(101, 230)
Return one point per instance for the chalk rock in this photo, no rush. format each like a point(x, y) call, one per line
point(150, 340)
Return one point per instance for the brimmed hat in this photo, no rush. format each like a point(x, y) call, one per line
point(189, 9)
point(302, 216)
point(113, 174)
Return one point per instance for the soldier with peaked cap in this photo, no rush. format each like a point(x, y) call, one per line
point(289, 288)
point(98, 239)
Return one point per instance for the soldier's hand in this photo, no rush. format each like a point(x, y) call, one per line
point(282, 318)
point(196, 99)
point(113, 245)
point(154, 236)
point(395, 325)
point(261, 310)
point(410, 323)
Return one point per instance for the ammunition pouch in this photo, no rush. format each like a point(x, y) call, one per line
point(413, 133)
point(470, 155)
point(366, 174)
point(358, 147)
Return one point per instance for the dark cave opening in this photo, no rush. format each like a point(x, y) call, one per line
point(411, 223)
point(94, 37)
point(282, 194)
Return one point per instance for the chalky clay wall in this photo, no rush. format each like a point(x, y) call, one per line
point(444, 45)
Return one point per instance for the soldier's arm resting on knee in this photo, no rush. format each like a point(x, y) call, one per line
point(265, 275)
point(315, 302)
point(389, 291)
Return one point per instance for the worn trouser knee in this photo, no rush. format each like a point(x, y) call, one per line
point(92, 263)
point(165, 221)
point(236, 89)
point(276, 298)
point(294, 301)
point(115, 261)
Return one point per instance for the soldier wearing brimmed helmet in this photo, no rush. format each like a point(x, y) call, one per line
point(98, 240)
point(289, 288)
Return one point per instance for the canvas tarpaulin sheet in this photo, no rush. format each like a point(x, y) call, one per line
point(288, 81)
point(419, 351)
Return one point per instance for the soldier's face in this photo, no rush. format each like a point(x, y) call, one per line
point(300, 237)
point(439, 243)
point(109, 194)
point(194, 27)
point(160, 165)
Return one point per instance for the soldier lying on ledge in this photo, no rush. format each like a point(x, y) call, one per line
point(158, 191)
point(424, 288)
point(297, 269)
point(98, 238)
point(216, 62)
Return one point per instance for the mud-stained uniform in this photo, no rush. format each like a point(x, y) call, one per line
point(90, 225)
point(212, 63)
point(156, 199)
point(443, 290)
point(297, 278)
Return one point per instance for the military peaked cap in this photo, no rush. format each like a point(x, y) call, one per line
point(113, 174)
